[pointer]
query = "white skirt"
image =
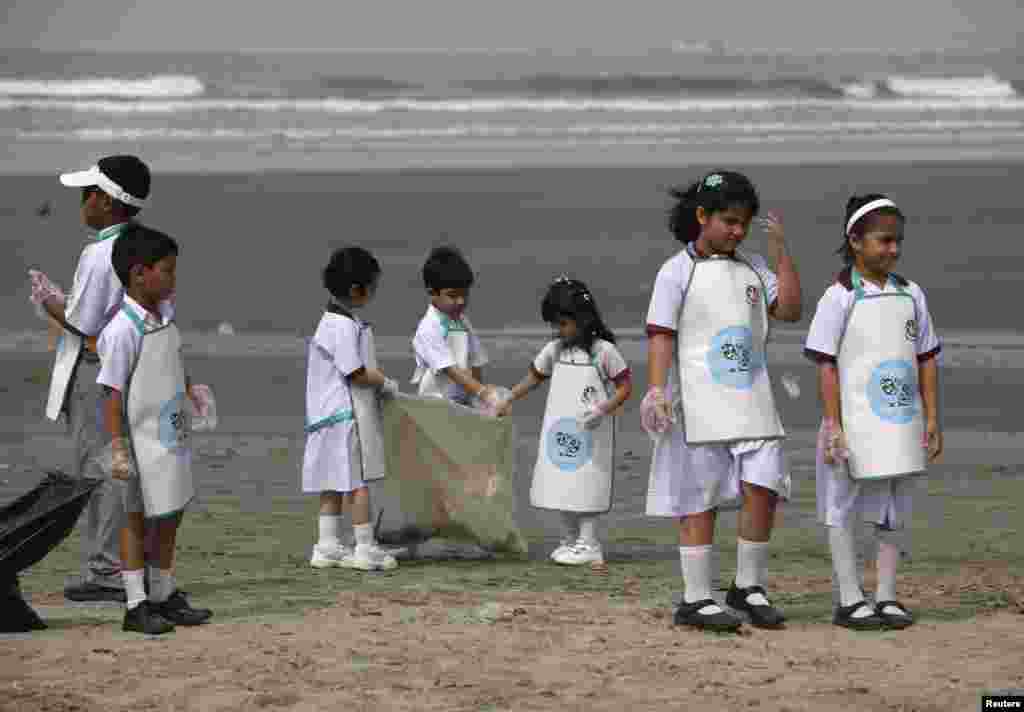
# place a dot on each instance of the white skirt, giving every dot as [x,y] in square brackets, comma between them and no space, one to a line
[689,479]
[327,462]
[886,503]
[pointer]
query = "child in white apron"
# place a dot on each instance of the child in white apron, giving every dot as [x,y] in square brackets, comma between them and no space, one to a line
[709,404]
[344,443]
[875,347]
[576,454]
[146,416]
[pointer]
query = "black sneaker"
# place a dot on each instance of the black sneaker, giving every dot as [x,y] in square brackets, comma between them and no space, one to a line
[844,617]
[177,610]
[905,619]
[145,618]
[761,615]
[88,592]
[721,622]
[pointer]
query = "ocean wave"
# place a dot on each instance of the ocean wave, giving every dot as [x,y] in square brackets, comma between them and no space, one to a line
[365,85]
[161,86]
[500,105]
[506,131]
[988,87]
[639,85]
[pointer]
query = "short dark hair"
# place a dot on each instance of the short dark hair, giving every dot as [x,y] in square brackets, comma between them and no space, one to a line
[446,268]
[853,205]
[139,245]
[715,192]
[349,267]
[130,173]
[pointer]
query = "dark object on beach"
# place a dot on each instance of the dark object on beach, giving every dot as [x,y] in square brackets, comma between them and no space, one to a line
[44,210]
[30,528]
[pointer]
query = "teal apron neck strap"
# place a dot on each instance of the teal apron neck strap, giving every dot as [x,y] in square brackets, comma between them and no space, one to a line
[340,416]
[858,284]
[449,325]
[140,325]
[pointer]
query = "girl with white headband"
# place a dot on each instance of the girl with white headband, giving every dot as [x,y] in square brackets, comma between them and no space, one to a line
[875,347]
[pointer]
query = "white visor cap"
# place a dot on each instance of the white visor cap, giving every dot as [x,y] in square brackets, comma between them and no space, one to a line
[94,176]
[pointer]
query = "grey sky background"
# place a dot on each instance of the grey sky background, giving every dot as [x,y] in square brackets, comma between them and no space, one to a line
[226,25]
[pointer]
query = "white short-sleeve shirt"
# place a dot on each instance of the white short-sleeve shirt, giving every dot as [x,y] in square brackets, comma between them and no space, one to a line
[120,342]
[674,275]
[609,361]
[431,346]
[834,307]
[335,353]
[96,291]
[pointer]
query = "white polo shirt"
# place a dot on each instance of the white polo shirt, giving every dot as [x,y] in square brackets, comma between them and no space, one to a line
[822,343]
[120,342]
[334,355]
[96,292]
[610,363]
[430,344]
[673,277]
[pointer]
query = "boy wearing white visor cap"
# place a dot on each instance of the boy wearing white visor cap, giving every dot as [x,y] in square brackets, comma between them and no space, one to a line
[875,347]
[113,192]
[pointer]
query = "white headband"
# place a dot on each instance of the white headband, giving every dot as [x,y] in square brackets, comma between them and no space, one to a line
[94,176]
[865,209]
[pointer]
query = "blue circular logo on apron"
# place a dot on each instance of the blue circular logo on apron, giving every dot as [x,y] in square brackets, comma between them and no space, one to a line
[892,391]
[568,447]
[732,358]
[174,424]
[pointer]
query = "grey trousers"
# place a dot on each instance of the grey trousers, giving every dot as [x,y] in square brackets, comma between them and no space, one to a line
[104,515]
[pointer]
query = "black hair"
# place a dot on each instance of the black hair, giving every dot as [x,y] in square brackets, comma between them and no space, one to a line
[446,268]
[571,298]
[139,245]
[715,192]
[853,205]
[130,173]
[349,267]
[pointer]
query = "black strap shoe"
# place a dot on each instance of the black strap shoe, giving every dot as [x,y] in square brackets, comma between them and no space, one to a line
[144,618]
[178,610]
[720,622]
[761,615]
[88,592]
[901,620]
[844,617]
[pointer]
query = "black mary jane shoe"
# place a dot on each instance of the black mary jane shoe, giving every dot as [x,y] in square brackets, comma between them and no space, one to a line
[897,621]
[761,615]
[844,617]
[722,622]
[179,611]
[146,619]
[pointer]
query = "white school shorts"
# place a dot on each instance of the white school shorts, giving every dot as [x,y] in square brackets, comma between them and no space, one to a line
[886,503]
[689,479]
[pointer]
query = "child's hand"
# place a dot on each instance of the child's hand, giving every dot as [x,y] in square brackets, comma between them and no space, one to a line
[836,449]
[932,441]
[43,289]
[655,412]
[203,407]
[771,223]
[504,408]
[389,389]
[116,460]
[591,418]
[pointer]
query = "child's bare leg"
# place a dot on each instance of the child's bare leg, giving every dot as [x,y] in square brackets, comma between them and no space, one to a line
[697,529]
[133,561]
[359,505]
[758,515]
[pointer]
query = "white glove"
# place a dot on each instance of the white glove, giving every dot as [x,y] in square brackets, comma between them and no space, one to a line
[202,407]
[42,290]
[492,398]
[388,389]
[115,460]
[590,418]
[836,449]
[656,416]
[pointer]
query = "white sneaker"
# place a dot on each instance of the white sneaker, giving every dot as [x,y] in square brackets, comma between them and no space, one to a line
[563,545]
[369,558]
[581,552]
[324,557]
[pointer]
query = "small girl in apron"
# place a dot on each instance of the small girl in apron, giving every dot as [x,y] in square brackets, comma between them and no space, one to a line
[575,457]
[709,406]
[875,347]
[344,444]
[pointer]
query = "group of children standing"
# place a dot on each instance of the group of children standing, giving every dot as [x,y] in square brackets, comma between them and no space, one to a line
[708,408]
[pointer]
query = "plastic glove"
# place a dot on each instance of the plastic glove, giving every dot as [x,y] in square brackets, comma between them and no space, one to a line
[656,413]
[491,399]
[388,389]
[591,417]
[42,290]
[836,450]
[115,460]
[202,407]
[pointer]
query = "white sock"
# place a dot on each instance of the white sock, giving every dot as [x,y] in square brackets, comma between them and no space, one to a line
[364,535]
[134,587]
[571,522]
[844,563]
[161,585]
[695,562]
[330,530]
[588,529]
[751,562]
[888,559]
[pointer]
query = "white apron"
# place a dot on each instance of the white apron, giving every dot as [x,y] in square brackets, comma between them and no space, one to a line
[367,448]
[878,385]
[721,338]
[575,466]
[437,384]
[69,348]
[157,419]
